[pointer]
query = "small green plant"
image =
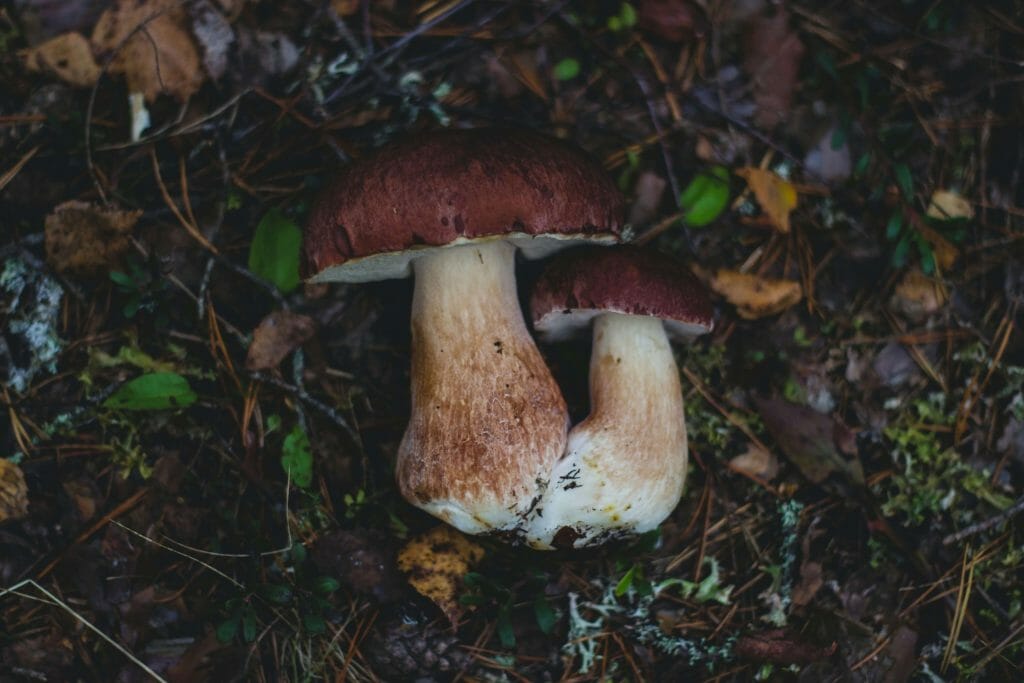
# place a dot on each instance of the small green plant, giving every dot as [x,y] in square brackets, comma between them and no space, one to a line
[624,20]
[141,287]
[567,69]
[932,476]
[485,591]
[293,587]
[297,458]
[705,197]
[353,504]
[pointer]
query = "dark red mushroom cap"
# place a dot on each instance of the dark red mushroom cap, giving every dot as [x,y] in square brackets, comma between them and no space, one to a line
[581,284]
[448,187]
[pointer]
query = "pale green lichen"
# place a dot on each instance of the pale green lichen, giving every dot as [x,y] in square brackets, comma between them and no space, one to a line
[32,306]
[779,596]
[635,609]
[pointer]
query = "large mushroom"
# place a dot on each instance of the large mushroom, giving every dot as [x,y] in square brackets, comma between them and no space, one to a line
[487,420]
[625,464]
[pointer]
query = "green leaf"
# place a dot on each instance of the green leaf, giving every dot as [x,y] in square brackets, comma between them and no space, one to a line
[123,280]
[904,179]
[546,617]
[314,623]
[626,581]
[277,593]
[705,197]
[298,553]
[297,459]
[899,254]
[274,252]
[506,634]
[153,391]
[248,625]
[325,585]
[227,630]
[567,69]
[893,227]
[627,14]
[862,164]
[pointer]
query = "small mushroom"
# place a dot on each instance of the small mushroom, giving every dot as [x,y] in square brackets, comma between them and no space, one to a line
[488,421]
[625,464]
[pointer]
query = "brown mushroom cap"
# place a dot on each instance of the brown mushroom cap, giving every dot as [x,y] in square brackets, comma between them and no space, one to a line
[584,283]
[451,187]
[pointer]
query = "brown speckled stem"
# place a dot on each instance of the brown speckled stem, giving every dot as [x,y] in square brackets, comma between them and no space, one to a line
[488,421]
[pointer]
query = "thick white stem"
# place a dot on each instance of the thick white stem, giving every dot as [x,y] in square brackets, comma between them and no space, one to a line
[625,465]
[488,421]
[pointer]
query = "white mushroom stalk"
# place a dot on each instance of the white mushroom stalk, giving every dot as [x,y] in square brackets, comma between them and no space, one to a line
[625,464]
[488,421]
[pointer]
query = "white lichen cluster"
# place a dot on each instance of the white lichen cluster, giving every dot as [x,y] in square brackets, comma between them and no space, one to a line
[636,611]
[31,301]
[779,596]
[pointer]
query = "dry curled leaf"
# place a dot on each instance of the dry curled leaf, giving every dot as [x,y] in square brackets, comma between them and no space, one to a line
[772,60]
[776,197]
[151,46]
[816,443]
[917,296]
[946,205]
[275,337]
[84,238]
[344,8]
[13,491]
[435,563]
[755,296]
[946,253]
[67,56]
[673,20]
[756,463]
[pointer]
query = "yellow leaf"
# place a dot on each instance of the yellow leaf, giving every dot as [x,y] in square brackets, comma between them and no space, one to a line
[68,56]
[777,197]
[151,46]
[13,492]
[755,296]
[435,563]
[946,253]
[946,205]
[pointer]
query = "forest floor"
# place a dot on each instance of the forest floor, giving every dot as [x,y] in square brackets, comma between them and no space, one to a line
[196,448]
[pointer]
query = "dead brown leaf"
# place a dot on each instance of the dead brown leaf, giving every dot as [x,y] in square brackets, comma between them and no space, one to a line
[435,563]
[810,583]
[344,8]
[84,238]
[673,20]
[650,188]
[777,197]
[917,296]
[755,296]
[67,56]
[275,337]
[152,47]
[816,443]
[13,491]
[772,60]
[756,463]
[946,253]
